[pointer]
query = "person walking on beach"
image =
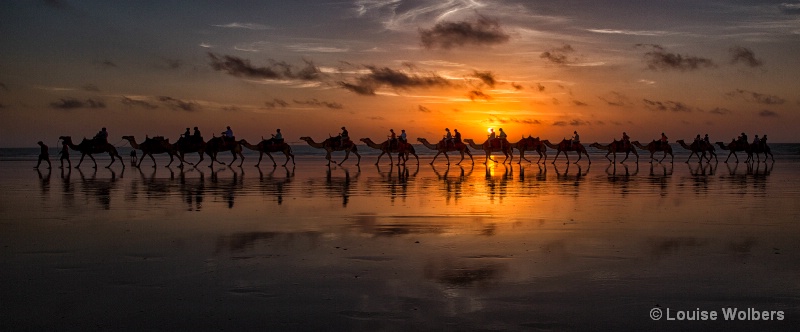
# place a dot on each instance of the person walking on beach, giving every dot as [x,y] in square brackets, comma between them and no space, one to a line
[44,154]
[65,155]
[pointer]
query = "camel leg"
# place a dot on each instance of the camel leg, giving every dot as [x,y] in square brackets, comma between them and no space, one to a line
[171,159]
[151,158]
[470,157]
[540,158]
[93,160]
[80,161]
[328,157]
[112,160]
[558,152]
[273,159]
[609,159]
[358,162]
[346,155]
[447,157]
[580,155]
[434,157]
[381,155]
[587,156]
[241,158]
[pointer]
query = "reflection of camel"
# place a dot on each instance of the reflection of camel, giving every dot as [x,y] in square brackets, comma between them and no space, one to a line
[220,144]
[617,146]
[89,147]
[489,146]
[697,149]
[152,146]
[655,146]
[565,146]
[265,146]
[443,147]
[329,145]
[530,144]
[402,149]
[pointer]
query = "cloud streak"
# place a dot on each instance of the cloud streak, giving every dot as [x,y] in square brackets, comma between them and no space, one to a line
[660,59]
[755,97]
[239,67]
[480,32]
[672,106]
[73,103]
[378,77]
[744,55]
[559,56]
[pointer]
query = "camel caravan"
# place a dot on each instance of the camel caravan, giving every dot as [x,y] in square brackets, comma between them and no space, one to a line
[193,142]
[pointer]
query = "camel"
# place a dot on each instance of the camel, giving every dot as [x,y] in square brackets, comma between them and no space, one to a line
[697,149]
[530,144]
[188,145]
[329,146]
[499,145]
[266,146]
[762,148]
[442,147]
[655,146]
[89,147]
[220,144]
[617,146]
[402,149]
[734,146]
[564,146]
[150,146]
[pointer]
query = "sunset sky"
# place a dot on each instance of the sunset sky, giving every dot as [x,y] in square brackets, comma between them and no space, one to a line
[544,68]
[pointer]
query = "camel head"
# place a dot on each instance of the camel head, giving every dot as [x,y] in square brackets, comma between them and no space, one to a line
[364,140]
[65,138]
[420,139]
[128,138]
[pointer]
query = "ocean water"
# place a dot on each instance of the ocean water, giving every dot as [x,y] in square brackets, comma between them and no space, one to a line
[384,247]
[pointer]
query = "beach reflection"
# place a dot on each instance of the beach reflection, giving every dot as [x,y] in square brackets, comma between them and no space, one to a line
[446,246]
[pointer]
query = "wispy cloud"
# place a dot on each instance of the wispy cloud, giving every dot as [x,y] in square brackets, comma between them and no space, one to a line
[127,101]
[494,119]
[72,103]
[659,59]
[276,102]
[673,106]
[755,97]
[615,99]
[768,114]
[630,32]
[720,111]
[377,77]
[559,56]
[477,94]
[744,55]
[424,109]
[790,8]
[319,103]
[316,48]
[239,67]
[447,35]
[178,104]
[237,25]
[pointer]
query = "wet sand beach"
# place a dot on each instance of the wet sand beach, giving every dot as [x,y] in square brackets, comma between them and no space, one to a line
[379,248]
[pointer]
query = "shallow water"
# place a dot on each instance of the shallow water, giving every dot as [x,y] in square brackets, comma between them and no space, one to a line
[500,247]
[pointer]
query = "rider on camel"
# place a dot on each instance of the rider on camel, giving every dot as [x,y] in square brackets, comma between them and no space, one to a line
[448,137]
[343,137]
[457,137]
[663,141]
[277,137]
[575,140]
[502,136]
[626,141]
[392,139]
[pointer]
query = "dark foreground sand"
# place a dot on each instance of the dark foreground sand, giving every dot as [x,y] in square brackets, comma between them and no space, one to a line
[422,248]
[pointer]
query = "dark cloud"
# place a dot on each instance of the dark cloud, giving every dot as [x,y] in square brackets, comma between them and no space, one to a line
[477,94]
[659,59]
[376,118]
[72,103]
[424,109]
[615,99]
[276,103]
[91,88]
[744,55]
[178,104]
[498,120]
[559,55]
[137,103]
[573,123]
[315,102]
[239,67]
[767,114]
[790,8]
[540,87]
[755,97]
[720,111]
[446,35]
[516,86]
[486,77]
[579,103]
[673,106]
[106,63]
[378,77]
